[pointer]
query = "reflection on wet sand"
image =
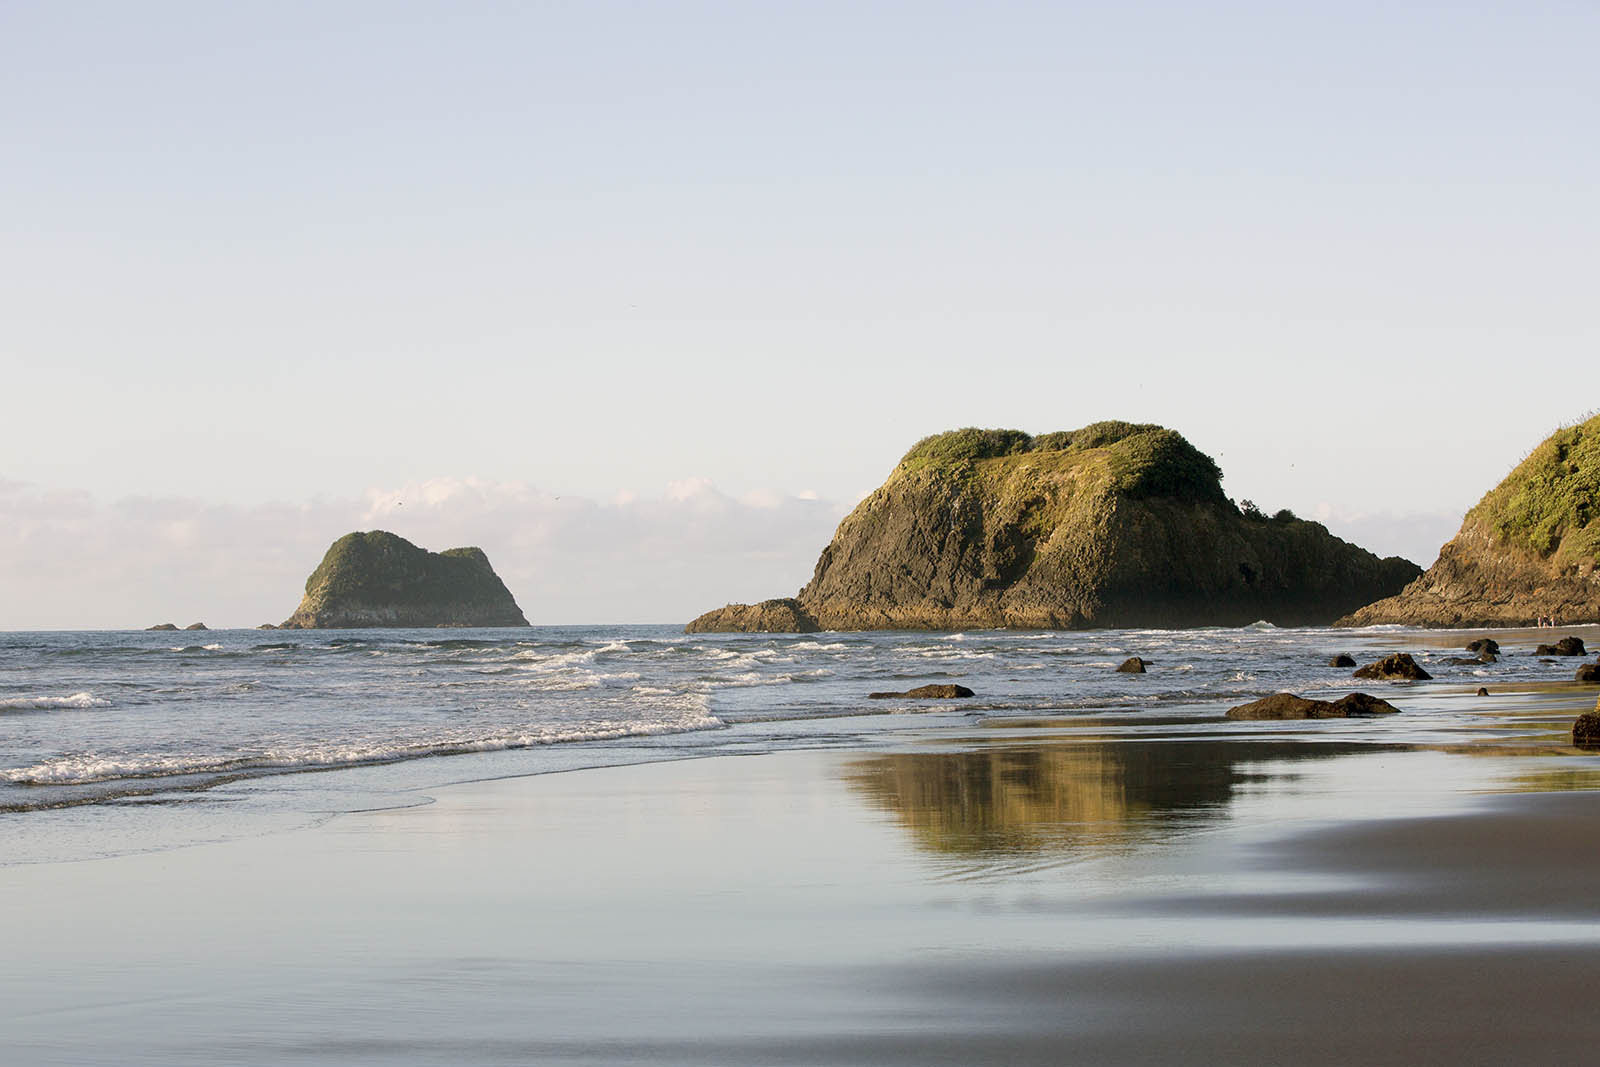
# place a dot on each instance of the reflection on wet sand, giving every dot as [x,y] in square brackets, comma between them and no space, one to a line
[1064,796]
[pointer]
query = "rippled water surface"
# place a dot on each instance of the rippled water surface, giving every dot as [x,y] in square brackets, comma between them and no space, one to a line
[133,721]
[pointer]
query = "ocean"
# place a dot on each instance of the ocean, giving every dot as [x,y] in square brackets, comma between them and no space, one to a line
[115,742]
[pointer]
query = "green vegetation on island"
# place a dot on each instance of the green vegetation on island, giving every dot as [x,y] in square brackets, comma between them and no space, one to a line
[382,580]
[1115,524]
[1528,550]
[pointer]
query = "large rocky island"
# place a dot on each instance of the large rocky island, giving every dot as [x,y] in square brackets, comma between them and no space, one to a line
[380,579]
[1116,524]
[1528,550]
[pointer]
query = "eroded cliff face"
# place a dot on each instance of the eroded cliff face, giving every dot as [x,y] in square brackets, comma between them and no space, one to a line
[378,579]
[1527,550]
[1112,525]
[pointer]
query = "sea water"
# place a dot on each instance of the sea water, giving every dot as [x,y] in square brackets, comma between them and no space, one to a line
[127,741]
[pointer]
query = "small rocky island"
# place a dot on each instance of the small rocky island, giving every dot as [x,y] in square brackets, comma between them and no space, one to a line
[1528,550]
[1116,524]
[379,579]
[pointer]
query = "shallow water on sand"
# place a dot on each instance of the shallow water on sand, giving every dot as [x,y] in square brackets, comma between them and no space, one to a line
[134,741]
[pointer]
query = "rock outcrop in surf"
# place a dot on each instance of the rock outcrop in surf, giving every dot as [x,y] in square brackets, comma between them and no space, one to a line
[1116,524]
[379,579]
[1527,551]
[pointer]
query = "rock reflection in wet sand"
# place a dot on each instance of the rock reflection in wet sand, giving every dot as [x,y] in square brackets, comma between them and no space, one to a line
[1104,796]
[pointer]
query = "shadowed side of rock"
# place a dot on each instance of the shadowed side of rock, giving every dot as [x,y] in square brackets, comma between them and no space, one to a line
[1116,524]
[378,579]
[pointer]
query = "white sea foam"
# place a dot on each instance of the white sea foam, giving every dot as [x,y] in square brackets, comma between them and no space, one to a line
[86,769]
[45,703]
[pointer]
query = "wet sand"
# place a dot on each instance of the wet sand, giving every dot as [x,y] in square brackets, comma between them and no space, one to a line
[970,897]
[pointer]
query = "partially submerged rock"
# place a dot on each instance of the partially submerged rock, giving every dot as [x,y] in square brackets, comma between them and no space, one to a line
[1530,549]
[1132,665]
[1115,524]
[1567,646]
[379,579]
[1589,672]
[1395,667]
[1290,706]
[1482,691]
[163,626]
[784,615]
[1586,730]
[927,692]
[197,626]
[1484,644]
[1343,659]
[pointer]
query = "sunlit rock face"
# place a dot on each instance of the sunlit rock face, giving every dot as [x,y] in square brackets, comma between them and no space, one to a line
[1116,524]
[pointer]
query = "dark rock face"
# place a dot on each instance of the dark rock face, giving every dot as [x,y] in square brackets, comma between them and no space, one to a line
[1529,549]
[1586,730]
[163,626]
[1132,665]
[1567,646]
[927,692]
[1289,706]
[784,616]
[1112,525]
[1484,644]
[381,580]
[1398,666]
[1342,660]
[1589,672]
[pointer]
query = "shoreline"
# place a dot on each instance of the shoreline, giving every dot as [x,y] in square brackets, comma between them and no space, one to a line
[966,895]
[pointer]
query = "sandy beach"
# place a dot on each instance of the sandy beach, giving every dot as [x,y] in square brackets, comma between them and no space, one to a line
[998,894]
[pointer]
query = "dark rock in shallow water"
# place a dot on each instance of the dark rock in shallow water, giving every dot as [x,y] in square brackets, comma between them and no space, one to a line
[1589,672]
[1586,731]
[1470,661]
[781,616]
[1398,666]
[1343,659]
[378,579]
[1132,665]
[1567,646]
[1482,691]
[197,626]
[1111,525]
[163,626]
[927,692]
[1484,644]
[1289,706]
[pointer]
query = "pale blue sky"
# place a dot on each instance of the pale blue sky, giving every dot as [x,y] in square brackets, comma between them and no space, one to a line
[277,252]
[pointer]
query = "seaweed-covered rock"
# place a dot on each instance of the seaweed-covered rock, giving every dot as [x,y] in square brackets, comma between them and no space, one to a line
[1290,706]
[1567,646]
[1588,672]
[1132,665]
[927,692]
[1397,666]
[1343,659]
[1113,525]
[784,615]
[379,579]
[1528,550]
